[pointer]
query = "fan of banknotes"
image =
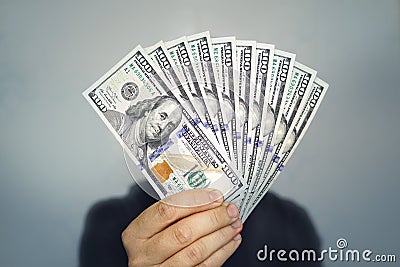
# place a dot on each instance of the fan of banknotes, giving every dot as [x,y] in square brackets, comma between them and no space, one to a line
[202,112]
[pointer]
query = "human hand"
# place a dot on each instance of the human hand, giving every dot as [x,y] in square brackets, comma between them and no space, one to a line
[166,234]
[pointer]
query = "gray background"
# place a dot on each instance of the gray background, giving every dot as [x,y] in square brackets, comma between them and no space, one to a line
[57,158]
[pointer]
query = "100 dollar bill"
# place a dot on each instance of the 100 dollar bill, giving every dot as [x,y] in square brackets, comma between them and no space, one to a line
[294,101]
[282,66]
[224,54]
[300,126]
[163,140]
[200,52]
[244,95]
[264,56]
[300,86]
[181,56]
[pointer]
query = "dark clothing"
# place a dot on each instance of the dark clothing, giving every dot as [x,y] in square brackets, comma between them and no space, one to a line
[277,223]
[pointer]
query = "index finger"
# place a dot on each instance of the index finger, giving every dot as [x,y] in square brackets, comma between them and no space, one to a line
[173,208]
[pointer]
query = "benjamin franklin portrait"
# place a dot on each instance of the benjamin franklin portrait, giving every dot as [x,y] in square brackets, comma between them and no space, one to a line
[147,123]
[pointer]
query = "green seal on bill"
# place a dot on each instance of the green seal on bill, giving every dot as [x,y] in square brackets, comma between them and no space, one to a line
[196,179]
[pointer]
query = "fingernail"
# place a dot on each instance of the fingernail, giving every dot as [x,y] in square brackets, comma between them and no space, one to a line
[236,224]
[233,211]
[214,195]
[237,237]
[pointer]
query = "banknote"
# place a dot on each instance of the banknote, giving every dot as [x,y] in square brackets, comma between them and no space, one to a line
[244,96]
[161,57]
[224,54]
[202,112]
[300,126]
[135,102]
[264,56]
[200,51]
[300,87]
[183,61]
[274,128]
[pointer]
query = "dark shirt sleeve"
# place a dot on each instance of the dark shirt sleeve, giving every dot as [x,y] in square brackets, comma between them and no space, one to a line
[101,243]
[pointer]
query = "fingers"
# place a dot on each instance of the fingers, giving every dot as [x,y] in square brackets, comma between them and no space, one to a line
[190,229]
[220,256]
[212,248]
[163,213]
